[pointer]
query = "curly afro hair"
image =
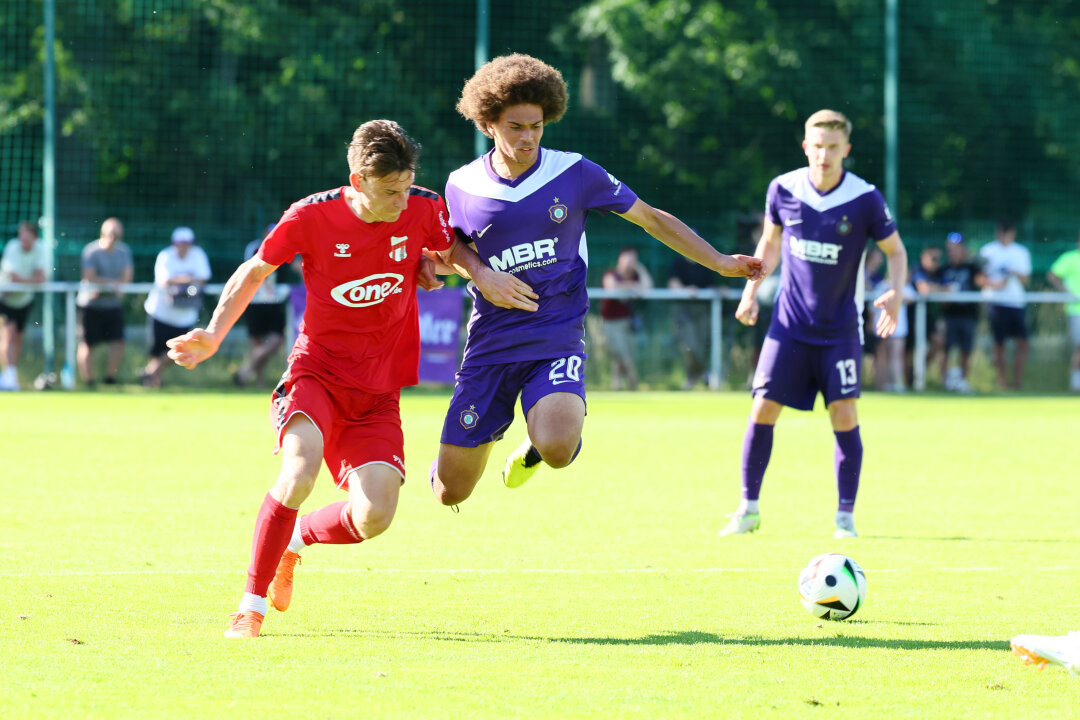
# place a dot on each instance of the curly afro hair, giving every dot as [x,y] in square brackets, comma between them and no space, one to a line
[512,80]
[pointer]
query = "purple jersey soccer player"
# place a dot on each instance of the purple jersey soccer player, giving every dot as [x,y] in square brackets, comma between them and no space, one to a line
[818,219]
[524,207]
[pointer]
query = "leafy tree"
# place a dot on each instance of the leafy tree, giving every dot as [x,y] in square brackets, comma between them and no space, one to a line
[988,92]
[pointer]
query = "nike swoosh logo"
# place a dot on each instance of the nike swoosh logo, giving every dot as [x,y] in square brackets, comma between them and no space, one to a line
[845,391]
[395,240]
[789,223]
[480,233]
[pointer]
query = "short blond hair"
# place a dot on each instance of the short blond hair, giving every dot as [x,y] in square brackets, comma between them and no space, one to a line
[829,120]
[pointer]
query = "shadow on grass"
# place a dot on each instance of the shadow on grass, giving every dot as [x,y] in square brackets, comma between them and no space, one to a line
[961,538]
[877,643]
[684,638]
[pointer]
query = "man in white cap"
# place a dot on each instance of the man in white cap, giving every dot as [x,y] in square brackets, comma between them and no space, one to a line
[173,305]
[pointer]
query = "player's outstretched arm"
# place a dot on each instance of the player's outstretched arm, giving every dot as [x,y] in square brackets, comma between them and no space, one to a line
[892,300]
[768,249]
[674,233]
[192,348]
[501,289]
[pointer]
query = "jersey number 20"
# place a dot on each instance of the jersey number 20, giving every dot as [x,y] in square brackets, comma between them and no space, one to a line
[565,369]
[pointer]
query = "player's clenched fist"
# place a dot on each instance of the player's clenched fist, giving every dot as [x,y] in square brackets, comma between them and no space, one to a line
[751,268]
[191,348]
[747,312]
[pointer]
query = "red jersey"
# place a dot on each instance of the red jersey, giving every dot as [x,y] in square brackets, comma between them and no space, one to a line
[360,327]
[612,309]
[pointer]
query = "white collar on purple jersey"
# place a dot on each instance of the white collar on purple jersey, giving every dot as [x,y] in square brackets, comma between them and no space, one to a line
[797,182]
[473,178]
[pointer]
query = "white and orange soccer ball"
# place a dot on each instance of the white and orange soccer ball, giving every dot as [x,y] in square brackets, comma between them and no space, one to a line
[832,586]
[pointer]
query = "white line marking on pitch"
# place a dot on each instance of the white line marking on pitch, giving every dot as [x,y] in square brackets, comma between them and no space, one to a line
[522,571]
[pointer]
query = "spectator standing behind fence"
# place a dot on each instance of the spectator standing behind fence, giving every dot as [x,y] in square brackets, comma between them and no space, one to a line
[690,318]
[925,279]
[960,275]
[265,318]
[180,272]
[873,273]
[106,262]
[1006,271]
[890,350]
[297,299]
[1064,275]
[23,262]
[618,315]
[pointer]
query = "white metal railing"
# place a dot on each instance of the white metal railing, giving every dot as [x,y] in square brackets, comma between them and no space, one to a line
[973,296]
[714,296]
[70,290]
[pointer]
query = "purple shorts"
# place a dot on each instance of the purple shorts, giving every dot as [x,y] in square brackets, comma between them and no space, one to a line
[483,404]
[792,373]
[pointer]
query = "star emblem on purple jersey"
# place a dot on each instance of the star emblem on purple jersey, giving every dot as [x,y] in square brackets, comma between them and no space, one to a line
[843,227]
[558,211]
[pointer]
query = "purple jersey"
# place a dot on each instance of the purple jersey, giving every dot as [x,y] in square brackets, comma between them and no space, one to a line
[534,227]
[823,248]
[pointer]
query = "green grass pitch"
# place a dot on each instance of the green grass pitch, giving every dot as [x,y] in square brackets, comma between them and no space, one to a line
[598,591]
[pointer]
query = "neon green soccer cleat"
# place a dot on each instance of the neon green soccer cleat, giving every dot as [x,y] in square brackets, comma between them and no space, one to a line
[515,474]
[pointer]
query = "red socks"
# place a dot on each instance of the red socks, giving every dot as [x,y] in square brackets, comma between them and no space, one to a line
[330,525]
[273,529]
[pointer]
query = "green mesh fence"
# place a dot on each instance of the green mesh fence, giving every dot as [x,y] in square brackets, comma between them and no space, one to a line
[219,113]
[21,133]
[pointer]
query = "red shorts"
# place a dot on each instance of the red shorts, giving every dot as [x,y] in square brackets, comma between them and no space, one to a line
[357,428]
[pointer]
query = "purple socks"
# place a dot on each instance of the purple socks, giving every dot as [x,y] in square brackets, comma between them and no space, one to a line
[848,462]
[756,450]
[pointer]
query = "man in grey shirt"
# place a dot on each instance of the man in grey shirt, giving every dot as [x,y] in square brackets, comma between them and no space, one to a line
[106,265]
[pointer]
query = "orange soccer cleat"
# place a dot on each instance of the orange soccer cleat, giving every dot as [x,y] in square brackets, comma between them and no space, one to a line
[244,625]
[280,590]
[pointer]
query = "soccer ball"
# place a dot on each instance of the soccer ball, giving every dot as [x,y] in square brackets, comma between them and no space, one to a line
[832,586]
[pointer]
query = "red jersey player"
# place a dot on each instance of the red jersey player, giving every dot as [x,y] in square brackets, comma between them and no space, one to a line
[361,247]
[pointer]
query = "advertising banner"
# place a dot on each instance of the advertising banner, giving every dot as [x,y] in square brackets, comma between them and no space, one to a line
[440,325]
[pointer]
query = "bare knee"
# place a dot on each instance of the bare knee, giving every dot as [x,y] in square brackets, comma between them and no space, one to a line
[558,453]
[296,481]
[370,520]
[451,493]
[456,472]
